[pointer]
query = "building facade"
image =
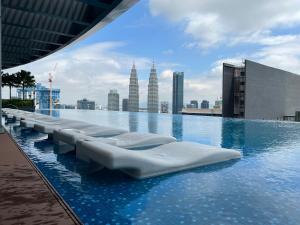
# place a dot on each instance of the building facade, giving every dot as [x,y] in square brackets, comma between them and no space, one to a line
[153,91]
[164,107]
[218,104]
[113,100]
[256,91]
[125,105]
[41,94]
[177,94]
[85,104]
[195,103]
[133,99]
[205,104]
[190,106]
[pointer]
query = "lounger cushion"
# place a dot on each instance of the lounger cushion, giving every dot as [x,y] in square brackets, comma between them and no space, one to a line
[48,128]
[70,136]
[27,123]
[160,160]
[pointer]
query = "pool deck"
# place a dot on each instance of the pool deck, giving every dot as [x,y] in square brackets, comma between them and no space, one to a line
[26,197]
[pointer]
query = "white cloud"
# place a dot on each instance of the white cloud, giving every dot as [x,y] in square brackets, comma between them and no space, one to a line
[284,56]
[199,87]
[215,22]
[90,72]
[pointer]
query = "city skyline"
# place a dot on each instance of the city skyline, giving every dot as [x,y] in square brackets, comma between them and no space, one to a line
[183,41]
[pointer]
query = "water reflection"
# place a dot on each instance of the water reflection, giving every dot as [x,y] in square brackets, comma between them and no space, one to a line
[177,127]
[113,118]
[53,112]
[133,121]
[255,137]
[233,133]
[117,203]
[152,122]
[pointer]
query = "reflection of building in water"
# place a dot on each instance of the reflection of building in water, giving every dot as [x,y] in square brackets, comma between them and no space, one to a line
[233,133]
[54,112]
[255,137]
[152,122]
[177,127]
[133,121]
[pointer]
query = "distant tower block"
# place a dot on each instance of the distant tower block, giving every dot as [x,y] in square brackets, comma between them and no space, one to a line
[113,100]
[153,104]
[177,98]
[133,100]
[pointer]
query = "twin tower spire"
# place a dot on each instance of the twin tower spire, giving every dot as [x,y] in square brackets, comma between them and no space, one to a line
[133,100]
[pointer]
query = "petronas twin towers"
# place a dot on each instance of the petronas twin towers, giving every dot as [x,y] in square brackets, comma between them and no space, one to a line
[133,101]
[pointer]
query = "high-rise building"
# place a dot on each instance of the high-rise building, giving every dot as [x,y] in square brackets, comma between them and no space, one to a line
[195,103]
[218,104]
[85,104]
[133,100]
[153,91]
[164,107]
[190,106]
[41,94]
[113,100]
[205,104]
[256,91]
[125,105]
[177,98]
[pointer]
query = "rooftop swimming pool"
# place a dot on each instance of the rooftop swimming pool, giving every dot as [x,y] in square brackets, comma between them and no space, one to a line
[261,188]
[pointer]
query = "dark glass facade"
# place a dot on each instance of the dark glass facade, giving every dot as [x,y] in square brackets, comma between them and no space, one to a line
[178,87]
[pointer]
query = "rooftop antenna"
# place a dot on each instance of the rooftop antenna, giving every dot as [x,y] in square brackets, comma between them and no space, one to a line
[50,87]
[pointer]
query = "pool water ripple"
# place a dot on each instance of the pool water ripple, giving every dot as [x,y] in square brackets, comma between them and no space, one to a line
[261,188]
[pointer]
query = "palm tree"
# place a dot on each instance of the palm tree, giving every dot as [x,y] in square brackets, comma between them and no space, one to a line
[9,80]
[25,79]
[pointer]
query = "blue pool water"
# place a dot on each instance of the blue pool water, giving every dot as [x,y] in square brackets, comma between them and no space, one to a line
[261,188]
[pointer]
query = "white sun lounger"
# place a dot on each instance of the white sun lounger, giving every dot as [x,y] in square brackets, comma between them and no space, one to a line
[31,121]
[130,140]
[160,160]
[70,136]
[49,127]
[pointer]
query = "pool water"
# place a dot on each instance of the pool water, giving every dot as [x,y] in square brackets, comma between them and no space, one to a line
[261,188]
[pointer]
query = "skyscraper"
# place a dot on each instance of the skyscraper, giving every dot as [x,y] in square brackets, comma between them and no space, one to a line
[205,104]
[153,91]
[85,104]
[177,104]
[113,100]
[164,107]
[256,91]
[195,103]
[41,94]
[125,104]
[133,100]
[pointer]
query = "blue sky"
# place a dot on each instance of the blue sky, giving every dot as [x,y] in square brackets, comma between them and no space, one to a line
[191,36]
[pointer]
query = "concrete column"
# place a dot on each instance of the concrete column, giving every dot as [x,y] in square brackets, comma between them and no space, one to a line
[1,128]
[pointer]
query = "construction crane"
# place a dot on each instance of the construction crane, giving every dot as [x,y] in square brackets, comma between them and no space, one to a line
[50,87]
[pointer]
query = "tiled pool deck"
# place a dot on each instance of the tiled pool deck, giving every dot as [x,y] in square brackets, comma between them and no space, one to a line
[26,197]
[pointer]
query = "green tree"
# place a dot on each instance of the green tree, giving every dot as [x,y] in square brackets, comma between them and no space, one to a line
[25,79]
[10,80]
